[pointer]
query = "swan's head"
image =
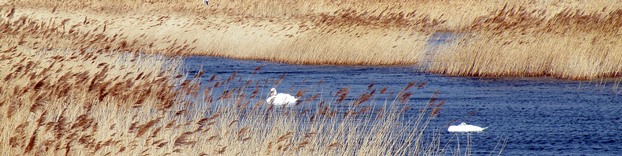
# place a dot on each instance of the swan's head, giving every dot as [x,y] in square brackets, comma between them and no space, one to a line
[273,92]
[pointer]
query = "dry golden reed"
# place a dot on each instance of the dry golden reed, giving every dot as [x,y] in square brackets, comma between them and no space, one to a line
[456,12]
[342,32]
[310,32]
[92,102]
[572,44]
[342,37]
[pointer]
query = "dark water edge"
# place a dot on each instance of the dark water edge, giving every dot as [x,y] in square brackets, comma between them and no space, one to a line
[538,115]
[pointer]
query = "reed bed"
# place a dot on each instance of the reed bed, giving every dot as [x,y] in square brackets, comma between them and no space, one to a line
[84,87]
[456,12]
[341,33]
[58,102]
[100,98]
[64,102]
[78,32]
[580,56]
[310,32]
[573,44]
[304,43]
[370,47]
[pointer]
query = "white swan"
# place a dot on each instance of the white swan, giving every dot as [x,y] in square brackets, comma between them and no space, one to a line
[281,99]
[463,127]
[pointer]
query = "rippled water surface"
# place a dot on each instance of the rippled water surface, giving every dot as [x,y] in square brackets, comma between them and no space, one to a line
[538,116]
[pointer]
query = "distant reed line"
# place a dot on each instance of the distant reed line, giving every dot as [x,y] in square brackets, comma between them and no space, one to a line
[353,34]
[519,42]
[456,13]
[300,44]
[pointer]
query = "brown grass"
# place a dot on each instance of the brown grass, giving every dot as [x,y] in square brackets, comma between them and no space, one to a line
[100,96]
[57,102]
[455,12]
[570,56]
[519,42]
[326,39]
[310,32]
[77,103]
[341,32]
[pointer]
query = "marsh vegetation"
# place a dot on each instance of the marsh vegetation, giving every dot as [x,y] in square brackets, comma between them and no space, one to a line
[564,39]
[101,98]
[89,102]
[95,77]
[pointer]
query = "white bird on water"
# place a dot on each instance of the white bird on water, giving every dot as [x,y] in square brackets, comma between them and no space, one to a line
[281,99]
[463,127]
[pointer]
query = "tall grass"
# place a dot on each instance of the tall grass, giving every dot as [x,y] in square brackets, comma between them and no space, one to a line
[332,46]
[571,56]
[573,44]
[100,96]
[301,43]
[90,99]
[65,102]
[341,33]
[456,12]
[78,32]
[302,32]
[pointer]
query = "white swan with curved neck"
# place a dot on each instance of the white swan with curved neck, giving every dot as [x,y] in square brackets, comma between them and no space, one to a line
[281,99]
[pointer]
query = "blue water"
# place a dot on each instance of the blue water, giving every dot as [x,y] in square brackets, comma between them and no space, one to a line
[538,116]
